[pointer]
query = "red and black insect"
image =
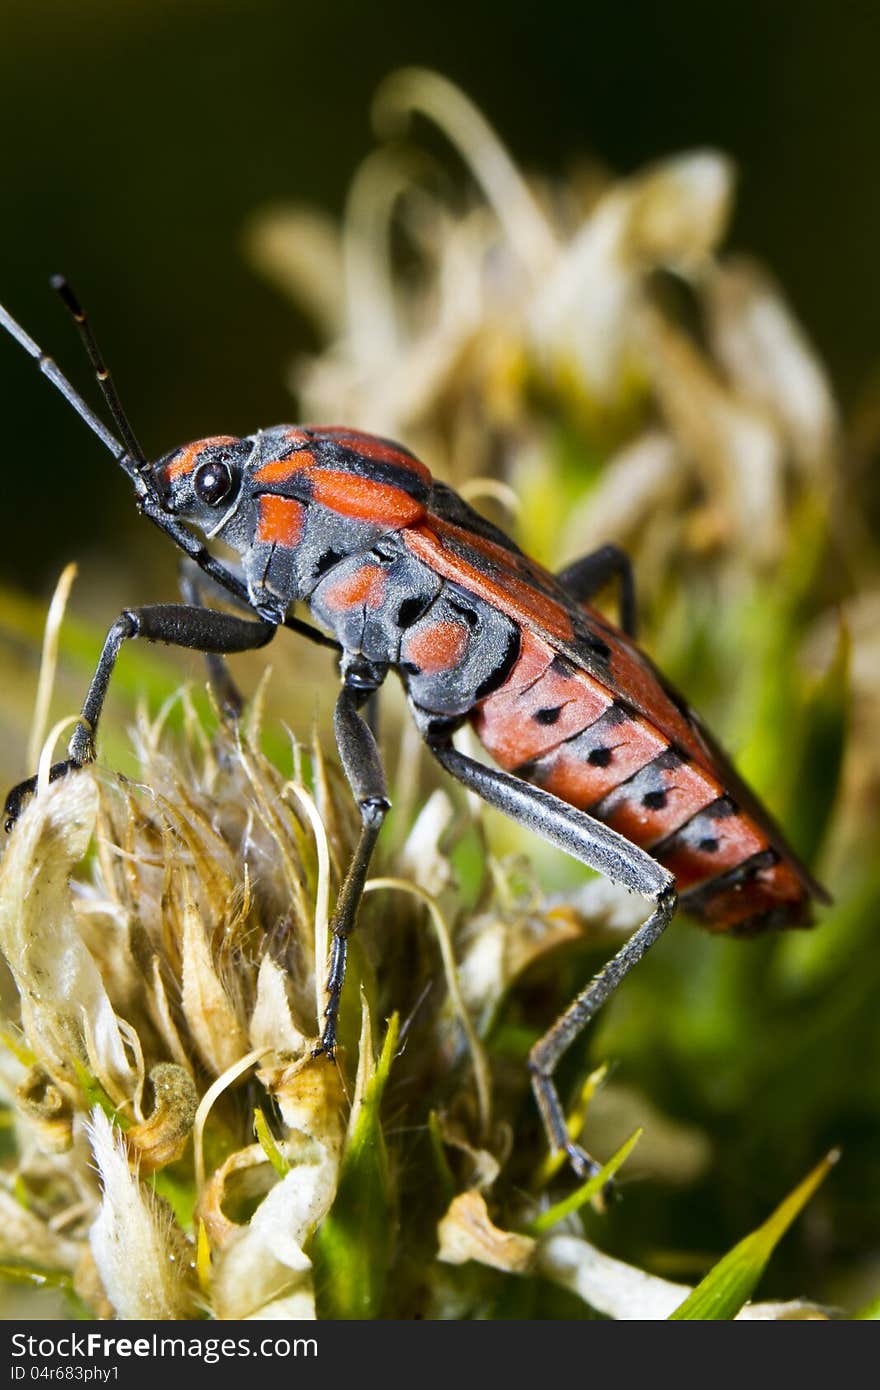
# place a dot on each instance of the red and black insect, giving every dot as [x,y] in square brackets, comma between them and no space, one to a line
[594,751]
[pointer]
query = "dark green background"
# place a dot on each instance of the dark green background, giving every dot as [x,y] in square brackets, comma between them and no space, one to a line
[138,138]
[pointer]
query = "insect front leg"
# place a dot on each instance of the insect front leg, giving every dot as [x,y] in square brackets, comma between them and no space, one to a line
[588,576]
[179,625]
[601,848]
[362,765]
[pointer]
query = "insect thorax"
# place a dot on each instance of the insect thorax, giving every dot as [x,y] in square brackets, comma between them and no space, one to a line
[381,602]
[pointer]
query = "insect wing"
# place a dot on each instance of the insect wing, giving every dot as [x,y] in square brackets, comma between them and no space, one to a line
[526,592]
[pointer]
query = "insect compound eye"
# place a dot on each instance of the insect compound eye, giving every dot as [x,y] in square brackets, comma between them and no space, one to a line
[212,482]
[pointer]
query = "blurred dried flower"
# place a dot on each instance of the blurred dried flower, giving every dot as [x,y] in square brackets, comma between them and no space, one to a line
[520,307]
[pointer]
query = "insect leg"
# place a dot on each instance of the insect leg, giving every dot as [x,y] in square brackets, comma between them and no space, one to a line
[202,629]
[371,714]
[219,573]
[362,765]
[599,847]
[585,577]
[229,698]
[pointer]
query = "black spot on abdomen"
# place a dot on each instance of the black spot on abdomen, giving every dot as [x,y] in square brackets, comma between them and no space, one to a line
[654,800]
[600,757]
[549,715]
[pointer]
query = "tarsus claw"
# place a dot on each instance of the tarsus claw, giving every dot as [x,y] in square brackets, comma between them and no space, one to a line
[20,793]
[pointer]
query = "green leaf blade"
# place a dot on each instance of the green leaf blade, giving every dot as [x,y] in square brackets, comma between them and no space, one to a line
[353,1247]
[730,1284]
[586,1192]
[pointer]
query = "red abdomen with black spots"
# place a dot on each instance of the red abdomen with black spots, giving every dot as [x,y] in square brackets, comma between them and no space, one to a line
[561,729]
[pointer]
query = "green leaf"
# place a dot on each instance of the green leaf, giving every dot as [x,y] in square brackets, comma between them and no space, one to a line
[38,1277]
[176,1185]
[730,1284]
[444,1172]
[268,1145]
[586,1192]
[96,1095]
[353,1246]
[17,1046]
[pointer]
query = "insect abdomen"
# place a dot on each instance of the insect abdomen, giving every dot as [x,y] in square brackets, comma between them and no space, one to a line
[558,727]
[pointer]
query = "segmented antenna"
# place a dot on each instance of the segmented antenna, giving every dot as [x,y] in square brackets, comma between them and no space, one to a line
[140,469]
[60,382]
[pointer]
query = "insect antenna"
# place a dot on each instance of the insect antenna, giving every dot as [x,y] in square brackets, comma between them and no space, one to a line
[54,374]
[139,468]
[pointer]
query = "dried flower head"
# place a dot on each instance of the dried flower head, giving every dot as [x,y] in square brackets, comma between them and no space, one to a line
[166,937]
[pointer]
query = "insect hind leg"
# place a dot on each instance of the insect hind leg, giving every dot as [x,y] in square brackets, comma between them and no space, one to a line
[584,578]
[601,848]
[547,1052]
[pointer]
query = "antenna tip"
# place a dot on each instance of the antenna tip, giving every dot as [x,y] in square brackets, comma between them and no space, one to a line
[62,286]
